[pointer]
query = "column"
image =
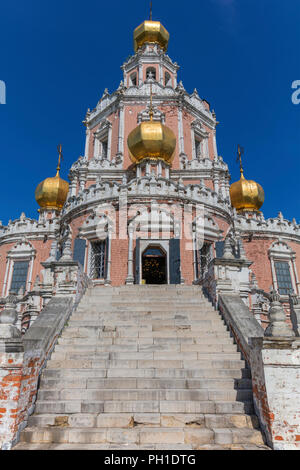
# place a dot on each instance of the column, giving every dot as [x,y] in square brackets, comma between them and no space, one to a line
[195,256]
[109,143]
[96,147]
[274,275]
[194,156]
[180,131]
[215,145]
[296,276]
[73,186]
[87,144]
[108,271]
[121,130]
[130,278]
[140,74]
[8,263]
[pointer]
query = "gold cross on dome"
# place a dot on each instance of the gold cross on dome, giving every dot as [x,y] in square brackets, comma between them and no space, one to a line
[60,156]
[240,152]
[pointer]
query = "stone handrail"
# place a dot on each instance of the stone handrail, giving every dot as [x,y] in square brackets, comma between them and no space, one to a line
[240,321]
[273,356]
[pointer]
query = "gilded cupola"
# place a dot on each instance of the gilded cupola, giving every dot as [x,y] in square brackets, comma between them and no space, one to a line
[52,192]
[150,31]
[151,140]
[246,195]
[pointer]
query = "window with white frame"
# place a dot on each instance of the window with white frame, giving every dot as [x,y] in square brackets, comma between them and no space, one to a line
[283,267]
[151,73]
[103,140]
[133,79]
[168,79]
[19,276]
[19,268]
[199,139]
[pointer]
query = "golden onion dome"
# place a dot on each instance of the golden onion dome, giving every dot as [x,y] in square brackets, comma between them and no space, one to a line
[52,192]
[150,31]
[246,195]
[153,140]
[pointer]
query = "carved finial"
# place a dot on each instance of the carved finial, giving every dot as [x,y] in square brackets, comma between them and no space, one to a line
[227,254]
[60,157]
[240,152]
[277,326]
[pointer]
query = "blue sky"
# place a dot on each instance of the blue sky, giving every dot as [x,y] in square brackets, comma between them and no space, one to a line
[57,57]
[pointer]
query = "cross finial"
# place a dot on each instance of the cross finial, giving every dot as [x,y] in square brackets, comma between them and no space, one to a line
[60,157]
[240,152]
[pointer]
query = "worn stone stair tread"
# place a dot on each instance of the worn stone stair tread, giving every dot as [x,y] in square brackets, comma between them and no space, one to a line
[140,435]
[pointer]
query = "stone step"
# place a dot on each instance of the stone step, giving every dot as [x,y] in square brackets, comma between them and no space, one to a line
[71,447]
[191,436]
[131,383]
[145,364]
[96,316]
[153,330]
[129,420]
[173,347]
[145,394]
[205,373]
[144,355]
[101,342]
[148,406]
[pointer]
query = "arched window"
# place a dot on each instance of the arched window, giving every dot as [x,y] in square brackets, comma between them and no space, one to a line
[168,79]
[151,73]
[133,79]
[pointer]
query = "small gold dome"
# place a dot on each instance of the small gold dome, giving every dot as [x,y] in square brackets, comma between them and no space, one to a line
[151,139]
[246,195]
[52,193]
[150,31]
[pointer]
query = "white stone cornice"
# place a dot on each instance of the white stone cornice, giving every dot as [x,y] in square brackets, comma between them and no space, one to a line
[259,227]
[147,187]
[30,228]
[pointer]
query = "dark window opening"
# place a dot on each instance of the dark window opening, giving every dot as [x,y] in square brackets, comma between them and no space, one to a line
[283,275]
[98,260]
[19,277]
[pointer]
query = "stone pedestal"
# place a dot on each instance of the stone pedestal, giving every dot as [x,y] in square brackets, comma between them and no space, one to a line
[275,368]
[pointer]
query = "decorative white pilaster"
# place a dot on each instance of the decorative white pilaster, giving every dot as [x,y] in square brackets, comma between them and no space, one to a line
[215,145]
[73,186]
[296,276]
[274,275]
[130,278]
[121,130]
[108,270]
[140,74]
[195,256]
[180,131]
[87,144]
[30,275]
[96,147]
[109,143]
[8,263]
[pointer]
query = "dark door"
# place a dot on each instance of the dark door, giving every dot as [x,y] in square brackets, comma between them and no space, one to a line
[154,266]
[174,261]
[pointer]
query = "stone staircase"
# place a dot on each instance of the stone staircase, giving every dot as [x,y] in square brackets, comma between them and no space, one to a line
[144,367]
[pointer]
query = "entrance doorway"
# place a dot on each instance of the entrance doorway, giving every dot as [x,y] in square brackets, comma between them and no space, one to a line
[154,265]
